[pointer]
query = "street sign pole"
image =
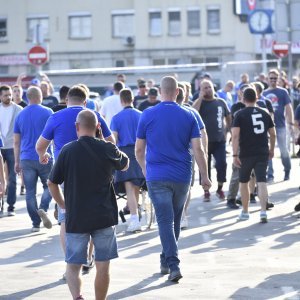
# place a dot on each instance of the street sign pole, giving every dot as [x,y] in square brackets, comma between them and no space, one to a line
[264,54]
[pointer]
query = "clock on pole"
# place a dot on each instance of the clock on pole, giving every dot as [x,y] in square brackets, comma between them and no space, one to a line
[260,21]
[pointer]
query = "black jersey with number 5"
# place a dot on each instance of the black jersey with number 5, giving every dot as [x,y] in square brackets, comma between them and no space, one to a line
[254,123]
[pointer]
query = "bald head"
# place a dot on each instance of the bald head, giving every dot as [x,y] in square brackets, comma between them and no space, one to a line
[87,121]
[34,95]
[168,88]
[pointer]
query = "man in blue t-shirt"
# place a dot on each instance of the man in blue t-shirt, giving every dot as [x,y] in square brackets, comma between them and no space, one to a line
[283,113]
[167,130]
[60,128]
[28,127]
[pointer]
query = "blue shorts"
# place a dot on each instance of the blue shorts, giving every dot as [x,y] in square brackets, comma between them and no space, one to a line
[105,245]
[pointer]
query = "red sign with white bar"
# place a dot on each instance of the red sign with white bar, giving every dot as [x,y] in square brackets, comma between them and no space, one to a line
[280,49]
[251,4]
[37,55]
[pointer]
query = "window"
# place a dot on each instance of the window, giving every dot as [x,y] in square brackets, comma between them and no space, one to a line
[3,29]
[80,26]
[158,61]
[120,63]
[213,20]
[193,21]
[155,23]
[173,61]
[215,61]
[37,29]
[3,70]
[122,23]
[197,60]
[174,23]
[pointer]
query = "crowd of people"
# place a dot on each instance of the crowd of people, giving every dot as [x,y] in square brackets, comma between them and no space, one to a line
[155,137]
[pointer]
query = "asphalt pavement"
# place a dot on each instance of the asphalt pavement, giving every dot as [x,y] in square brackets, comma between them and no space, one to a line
[220,257]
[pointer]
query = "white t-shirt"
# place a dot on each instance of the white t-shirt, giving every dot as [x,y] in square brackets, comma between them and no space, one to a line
[6,114]
[110,107]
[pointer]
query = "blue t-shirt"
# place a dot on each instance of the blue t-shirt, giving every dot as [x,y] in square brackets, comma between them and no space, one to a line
[29,124]
[279,98]
[90,104]
[168,129]
[60,127]
[197,115]
[125,123]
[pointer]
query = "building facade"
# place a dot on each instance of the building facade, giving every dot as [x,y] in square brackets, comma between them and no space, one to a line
[93,34]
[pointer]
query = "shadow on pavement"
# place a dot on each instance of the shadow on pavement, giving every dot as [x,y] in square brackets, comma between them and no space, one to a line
[27,293]
[140,288]
[273,287]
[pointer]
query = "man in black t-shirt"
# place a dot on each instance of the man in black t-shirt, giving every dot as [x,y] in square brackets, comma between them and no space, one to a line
[89,200]
[250,130]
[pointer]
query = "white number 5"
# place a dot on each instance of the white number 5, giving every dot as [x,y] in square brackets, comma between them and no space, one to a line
[259,126]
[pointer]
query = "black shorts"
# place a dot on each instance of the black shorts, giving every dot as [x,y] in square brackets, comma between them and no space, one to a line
[257,163]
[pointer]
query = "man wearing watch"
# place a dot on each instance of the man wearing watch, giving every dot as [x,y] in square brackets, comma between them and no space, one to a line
[251,127]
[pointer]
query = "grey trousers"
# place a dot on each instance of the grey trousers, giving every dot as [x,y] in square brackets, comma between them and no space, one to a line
[234,183]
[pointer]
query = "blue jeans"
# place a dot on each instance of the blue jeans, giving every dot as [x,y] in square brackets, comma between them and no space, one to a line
[284,153]
[168,199]
[32,170]
[9,158]
[105,245]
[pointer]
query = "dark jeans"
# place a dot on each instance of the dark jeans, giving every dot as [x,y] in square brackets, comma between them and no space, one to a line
[9,159]
[32,170]
[218,151]
[168,199]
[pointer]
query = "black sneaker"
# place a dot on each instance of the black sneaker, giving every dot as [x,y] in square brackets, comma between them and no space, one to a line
[238,201]
[87,267]
[252,198]
[231,203]
[269,205]
[286,176]
[175,276]
[297,207]
[22,190]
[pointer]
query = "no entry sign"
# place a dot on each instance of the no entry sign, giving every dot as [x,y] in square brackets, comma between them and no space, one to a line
[251,4]
[280,49]
[37,55]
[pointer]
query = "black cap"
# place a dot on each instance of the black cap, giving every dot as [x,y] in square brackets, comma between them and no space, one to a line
[153,91]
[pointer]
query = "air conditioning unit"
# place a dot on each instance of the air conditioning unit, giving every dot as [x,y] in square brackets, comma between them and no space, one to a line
[129,41]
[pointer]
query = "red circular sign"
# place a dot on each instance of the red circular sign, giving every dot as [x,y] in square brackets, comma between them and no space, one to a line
[37,55]
[251,4]
[280,49]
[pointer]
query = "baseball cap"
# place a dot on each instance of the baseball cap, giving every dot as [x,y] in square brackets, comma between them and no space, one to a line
[142,83]
[35,81]
[153,91]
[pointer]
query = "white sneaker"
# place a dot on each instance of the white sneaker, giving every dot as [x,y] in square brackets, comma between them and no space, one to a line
[134,226]
[46,221]
[184,223]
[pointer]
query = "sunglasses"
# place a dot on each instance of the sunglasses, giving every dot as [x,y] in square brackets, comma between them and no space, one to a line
[273,78]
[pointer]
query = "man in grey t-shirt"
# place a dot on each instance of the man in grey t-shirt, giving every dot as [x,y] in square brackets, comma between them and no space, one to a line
[215,113]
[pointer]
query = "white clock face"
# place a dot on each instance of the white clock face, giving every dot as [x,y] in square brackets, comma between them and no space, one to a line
[259,21]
